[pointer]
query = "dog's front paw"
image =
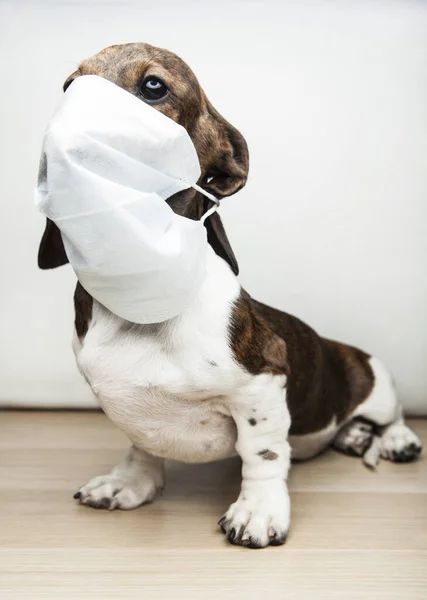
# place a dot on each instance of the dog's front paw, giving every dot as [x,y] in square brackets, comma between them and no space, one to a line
[114,491]
[260,517]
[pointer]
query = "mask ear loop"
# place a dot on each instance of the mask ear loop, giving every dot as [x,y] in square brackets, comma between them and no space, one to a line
[214,208]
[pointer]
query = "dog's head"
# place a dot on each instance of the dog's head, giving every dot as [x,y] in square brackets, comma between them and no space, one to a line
[161,79]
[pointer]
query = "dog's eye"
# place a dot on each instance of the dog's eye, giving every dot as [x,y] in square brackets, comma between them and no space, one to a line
[153,89]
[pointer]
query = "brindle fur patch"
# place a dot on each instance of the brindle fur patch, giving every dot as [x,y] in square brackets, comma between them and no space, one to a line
[254,343]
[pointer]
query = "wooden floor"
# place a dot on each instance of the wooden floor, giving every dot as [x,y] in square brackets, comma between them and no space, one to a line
[355,534]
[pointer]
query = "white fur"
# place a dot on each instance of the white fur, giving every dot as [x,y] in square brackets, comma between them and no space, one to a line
[307,446]
[168,386]
[177,392]
[381,406]
[261,513]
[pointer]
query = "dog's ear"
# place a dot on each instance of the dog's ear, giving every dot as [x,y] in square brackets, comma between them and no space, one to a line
[216,236]
[218,239]
[228,171]
[51,251]
[70,80]
[225,174]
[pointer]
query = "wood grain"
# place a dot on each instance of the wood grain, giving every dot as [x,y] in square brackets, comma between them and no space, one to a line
[355,533]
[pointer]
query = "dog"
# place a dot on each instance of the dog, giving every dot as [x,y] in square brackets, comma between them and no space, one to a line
[229,375]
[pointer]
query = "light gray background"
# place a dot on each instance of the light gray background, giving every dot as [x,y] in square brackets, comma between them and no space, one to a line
[332,225]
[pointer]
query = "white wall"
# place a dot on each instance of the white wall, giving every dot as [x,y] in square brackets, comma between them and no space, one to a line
[332,226]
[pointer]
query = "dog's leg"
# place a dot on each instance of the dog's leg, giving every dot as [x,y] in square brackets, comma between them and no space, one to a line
[261,514]
[377,429]
[135,481]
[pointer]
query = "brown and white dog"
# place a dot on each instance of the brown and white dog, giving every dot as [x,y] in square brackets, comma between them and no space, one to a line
[229,375]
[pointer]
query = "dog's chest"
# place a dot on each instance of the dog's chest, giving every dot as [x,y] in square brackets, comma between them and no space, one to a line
[167,386]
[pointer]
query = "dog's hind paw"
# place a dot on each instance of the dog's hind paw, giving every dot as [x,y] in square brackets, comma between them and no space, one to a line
[399,443]
[354,438]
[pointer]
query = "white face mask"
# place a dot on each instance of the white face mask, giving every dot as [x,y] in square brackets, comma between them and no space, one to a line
[109,161]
